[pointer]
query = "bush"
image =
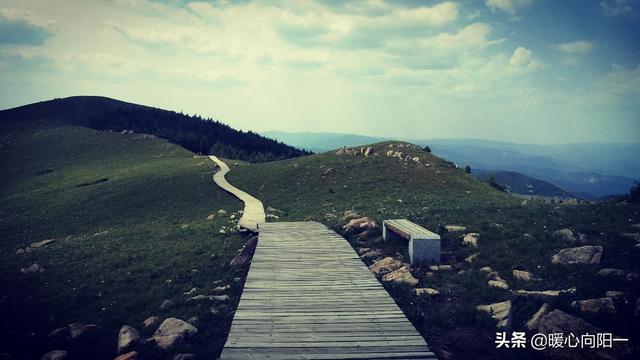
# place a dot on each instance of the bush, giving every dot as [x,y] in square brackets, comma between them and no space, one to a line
[467,169]
[634,193]
[427,149]
[494,184]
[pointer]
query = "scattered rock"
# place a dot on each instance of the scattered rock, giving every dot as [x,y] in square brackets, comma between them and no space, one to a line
[402,275]
[385,266]
[190,292]
[534,322]
[471,239]
[471,258]
[486,269]
[500,311]
[151,322]
[221,289]
[60,334]
[82,331]
[455,228]
[39,244]
[360,224]
[222,212]
[565,235]
[172,332]
[595,306]
[368,151]
[426,292]
[637,312]
[272,216]
[246,253]
[614,294]
[499,284]
[166,305]
[445,267]
[546,294]
[274,210]
[33,268]
[349,215]
[522,275]
[633,277]
[221,310]
[585,255]
[55,355]
[211,216]
[128,337]
[611,273]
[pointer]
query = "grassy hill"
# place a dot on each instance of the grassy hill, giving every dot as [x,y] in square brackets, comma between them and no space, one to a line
[514,235]
[135,222]
[192,132]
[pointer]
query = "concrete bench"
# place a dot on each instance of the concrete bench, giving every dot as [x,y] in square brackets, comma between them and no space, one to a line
[424,245]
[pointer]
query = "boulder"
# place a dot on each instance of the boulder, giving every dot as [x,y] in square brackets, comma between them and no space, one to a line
[131,355]
[544,295]
[166,305]
[371,253]
[637,311]
[128,337]
[595,306]
[385,266]
[500,311]
[486,269]
[445,267]
[558,321]
[534,322]
[471,239]
[522,275]
[565,235]
[194,320]
[611,273]
[368,151]
[60,334]
[190,292]
[499,284]
[151,322]
[246,253]
[360,224]
[172,332]
[33,268]
[584,255]
[55,355]
[222,211]
[426,292]
[401,276]
[82,331]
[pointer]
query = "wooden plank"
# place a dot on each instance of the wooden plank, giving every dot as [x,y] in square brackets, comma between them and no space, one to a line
[309,296]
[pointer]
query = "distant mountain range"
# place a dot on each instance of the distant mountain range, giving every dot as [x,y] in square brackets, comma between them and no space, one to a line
[586,170]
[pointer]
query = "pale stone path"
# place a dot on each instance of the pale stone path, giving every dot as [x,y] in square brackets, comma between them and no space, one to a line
[253,216]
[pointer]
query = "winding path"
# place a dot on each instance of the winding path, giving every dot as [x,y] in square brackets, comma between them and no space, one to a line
[309,296]
[253,214]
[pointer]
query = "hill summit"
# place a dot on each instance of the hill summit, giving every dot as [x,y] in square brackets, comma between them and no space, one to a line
[200,135]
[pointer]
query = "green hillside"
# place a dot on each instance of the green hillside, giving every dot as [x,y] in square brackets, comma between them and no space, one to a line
[129,216]
[514,235]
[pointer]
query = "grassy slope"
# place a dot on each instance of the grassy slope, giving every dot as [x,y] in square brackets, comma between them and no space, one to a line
[124,245]
[513,236]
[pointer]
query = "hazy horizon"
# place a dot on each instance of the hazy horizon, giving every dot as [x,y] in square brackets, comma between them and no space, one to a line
[521,71]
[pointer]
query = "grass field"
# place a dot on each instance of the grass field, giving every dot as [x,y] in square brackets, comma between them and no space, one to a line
[129,213]
[514,235]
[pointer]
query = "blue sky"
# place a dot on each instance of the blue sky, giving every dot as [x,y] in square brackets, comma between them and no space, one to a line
[529,71]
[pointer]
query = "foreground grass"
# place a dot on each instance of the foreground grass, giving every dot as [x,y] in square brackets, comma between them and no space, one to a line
[129,213]
[514,235]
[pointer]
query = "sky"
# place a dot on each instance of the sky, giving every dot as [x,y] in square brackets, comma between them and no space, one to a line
[526,71]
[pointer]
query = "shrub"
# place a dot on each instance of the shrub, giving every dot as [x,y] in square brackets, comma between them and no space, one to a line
[427,149]
[634,193]
[467,169]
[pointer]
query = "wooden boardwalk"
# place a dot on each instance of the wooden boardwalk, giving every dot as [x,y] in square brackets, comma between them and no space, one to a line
[253,213]
[309,296]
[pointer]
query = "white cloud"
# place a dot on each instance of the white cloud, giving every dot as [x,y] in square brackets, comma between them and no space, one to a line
[614,8]
[580,47]
[24,16]
[511,7]
[521,57]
